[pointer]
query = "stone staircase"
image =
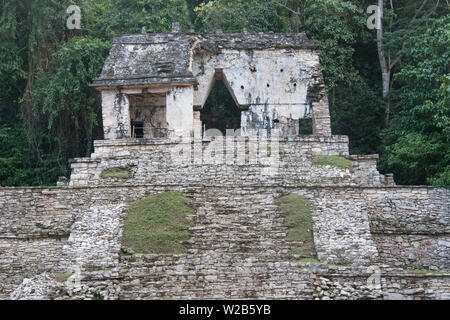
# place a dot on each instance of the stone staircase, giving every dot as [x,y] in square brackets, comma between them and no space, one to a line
[239,224]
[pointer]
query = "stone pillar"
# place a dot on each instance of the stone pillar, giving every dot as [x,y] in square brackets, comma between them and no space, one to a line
[321,117]
[116,115]
[197,125]
[180,113]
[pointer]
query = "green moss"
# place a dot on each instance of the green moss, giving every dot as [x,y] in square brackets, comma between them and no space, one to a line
[427,271]
[335,161]
[158,223]
[308,260]
[62,277]
[117,172]
[297,218]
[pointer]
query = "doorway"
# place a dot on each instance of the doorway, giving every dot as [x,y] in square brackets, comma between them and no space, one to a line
[148,116]
[220,110]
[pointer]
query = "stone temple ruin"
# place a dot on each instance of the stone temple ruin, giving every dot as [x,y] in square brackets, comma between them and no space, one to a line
[155,85]
[371,238]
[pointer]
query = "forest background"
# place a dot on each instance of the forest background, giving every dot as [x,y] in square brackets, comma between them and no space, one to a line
[388,87]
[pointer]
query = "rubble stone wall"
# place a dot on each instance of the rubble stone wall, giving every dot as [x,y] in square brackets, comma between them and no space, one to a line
[242,276]
[232,161]
[67,226]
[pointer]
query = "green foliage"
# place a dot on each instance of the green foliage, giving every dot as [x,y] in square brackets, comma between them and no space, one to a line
[45,99]
[296,211]
[111,18]
[335,161]
[333,25]
[65,94]
[65,110]
[349,62]
[234,15]
[49,114]
[357,111]
[416,157]
[14,167]
[417,142]
[158,224]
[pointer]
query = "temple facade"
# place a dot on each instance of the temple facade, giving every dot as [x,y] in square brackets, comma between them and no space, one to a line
[154,86]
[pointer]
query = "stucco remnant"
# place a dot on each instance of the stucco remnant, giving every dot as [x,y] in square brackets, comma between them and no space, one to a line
[274,78]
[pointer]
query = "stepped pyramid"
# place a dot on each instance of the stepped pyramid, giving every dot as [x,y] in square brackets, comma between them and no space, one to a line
[372,239]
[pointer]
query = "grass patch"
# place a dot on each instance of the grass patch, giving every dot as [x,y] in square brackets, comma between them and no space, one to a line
[117,172]
[296,211]
[158,223]
[335,161]
[308,260]
[62,277]
[427,271]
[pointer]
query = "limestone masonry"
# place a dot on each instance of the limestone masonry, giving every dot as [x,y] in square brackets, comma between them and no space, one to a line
[373,239]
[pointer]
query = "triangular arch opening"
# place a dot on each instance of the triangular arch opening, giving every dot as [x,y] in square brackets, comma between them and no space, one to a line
[220,110]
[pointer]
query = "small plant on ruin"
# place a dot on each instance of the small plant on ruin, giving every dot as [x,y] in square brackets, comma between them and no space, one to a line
[308,260]
[158,224]
[335,161]
[297,218]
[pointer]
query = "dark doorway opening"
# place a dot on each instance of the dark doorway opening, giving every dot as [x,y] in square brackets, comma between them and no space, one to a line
[220,110]
[148,115]
[137,129]
[305,126]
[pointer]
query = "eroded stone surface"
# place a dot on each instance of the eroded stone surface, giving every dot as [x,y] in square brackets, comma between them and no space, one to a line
[238,247]
[274,78]
[158,83]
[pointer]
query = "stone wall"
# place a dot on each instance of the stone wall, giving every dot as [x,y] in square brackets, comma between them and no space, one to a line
[233,225]
[235,161]
[412,229]
[242,276]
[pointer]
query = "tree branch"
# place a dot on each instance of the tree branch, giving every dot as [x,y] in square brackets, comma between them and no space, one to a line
[400,56]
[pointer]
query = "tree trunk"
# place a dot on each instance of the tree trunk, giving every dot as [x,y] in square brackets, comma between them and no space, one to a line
[385,68]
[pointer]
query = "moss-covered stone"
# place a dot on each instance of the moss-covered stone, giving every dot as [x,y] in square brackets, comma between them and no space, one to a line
[62,277]
[335,161]
[117,172]
[296,211]
[308,260]
[158,224]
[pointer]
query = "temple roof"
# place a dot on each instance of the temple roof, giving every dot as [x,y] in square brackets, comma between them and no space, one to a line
[163,58]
